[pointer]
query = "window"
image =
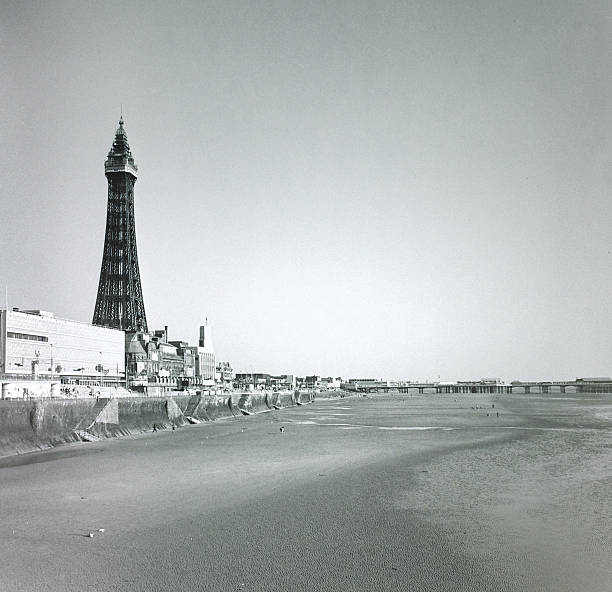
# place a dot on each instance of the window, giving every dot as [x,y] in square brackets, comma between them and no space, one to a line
[26,336]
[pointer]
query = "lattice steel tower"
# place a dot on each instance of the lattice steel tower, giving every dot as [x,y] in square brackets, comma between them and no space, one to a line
[119,304]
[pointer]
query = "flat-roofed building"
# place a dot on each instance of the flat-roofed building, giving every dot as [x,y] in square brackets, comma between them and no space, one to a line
[595,384]
[282,382]
[204,357]
[251,380]
[330,383]
[34,343]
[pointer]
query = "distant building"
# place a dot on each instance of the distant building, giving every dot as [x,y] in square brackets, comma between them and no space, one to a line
[595,379]
[364,384]
[331,383]
[224,374]
[595,384]
[244,380]
[260,380]
[311,382]
[34,343]
[204,357]
[283,382]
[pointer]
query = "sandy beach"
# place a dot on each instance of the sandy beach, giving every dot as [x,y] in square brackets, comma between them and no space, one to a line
[394,492]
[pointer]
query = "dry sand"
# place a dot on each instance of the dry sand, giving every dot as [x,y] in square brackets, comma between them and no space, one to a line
[383,493]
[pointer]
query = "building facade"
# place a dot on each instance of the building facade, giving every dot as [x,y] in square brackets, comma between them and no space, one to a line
[35,344]
[205,356]
[155,363]
[258,380]
[225,374]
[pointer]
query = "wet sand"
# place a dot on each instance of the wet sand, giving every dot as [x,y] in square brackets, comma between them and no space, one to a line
[390,492]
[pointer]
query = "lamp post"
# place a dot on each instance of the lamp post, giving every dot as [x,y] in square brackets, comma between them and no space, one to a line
[35,364]
[100,368]
[51,361]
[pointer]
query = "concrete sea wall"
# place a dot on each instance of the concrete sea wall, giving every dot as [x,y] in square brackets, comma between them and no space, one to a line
[31,425]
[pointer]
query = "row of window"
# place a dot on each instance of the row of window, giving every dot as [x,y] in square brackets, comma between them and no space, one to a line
[26,336]
[69,332]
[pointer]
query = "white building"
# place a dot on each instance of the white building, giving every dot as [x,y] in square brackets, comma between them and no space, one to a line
[33,343]
[204,354]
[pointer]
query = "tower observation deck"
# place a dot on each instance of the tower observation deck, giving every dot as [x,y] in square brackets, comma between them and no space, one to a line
[119,304]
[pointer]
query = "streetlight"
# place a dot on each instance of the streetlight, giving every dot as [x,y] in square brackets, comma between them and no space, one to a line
[51,361]
[35,364]
[100,368]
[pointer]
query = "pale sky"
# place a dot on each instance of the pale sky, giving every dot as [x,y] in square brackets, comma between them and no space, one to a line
[365,189]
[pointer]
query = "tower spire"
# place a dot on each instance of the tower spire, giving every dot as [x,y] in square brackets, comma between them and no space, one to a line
[119,303]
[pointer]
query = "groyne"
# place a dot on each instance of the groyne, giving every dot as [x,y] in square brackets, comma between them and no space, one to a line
[32,425]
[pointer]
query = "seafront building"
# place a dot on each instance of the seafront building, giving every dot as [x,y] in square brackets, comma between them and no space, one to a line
[35,344]
[204,356]
[156,365]
[258,380]
[224,374]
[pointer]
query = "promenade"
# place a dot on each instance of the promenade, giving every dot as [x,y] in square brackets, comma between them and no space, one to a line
[388,492]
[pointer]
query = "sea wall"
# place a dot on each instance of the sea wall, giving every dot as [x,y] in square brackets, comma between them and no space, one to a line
[38,424]
[30,425]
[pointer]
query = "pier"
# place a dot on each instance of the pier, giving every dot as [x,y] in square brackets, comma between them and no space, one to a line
[580,385]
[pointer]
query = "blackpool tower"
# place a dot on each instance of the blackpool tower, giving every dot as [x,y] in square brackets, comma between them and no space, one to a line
[119,304]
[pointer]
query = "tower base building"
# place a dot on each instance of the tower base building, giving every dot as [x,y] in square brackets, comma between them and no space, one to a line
[35,345]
